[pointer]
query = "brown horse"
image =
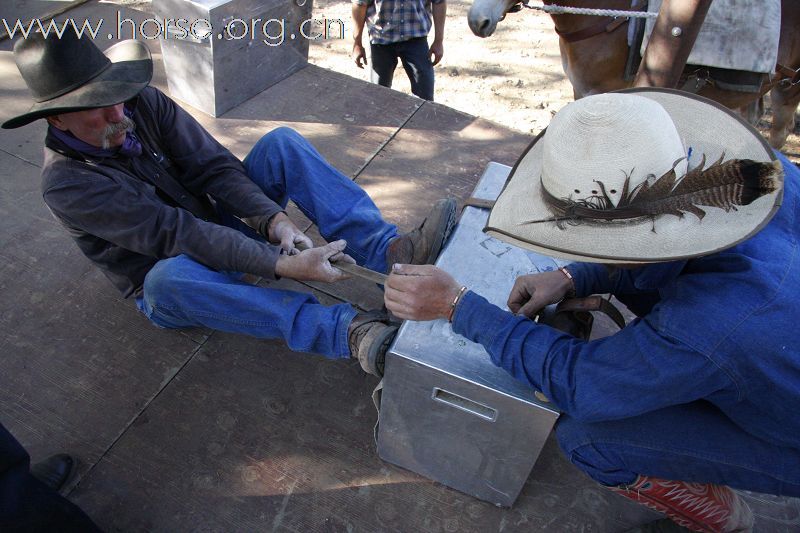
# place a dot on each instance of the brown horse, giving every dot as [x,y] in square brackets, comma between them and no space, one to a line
[594,55]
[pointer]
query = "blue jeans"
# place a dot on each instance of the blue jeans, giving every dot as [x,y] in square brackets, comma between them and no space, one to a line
[416,58]
[179,292]
[695,442]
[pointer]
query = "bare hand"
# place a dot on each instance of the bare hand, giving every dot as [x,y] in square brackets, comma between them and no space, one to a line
[283,231]
[314,264]
[436,52]
[359,55]
[420,292]
[534,291]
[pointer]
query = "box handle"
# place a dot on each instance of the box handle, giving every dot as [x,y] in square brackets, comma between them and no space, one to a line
[465,404]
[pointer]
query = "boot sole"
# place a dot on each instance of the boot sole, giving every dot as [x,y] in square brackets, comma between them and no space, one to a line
[373,363]
[444,226]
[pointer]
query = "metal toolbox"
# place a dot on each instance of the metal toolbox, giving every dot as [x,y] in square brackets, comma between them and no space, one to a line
[446,411]
[219,53]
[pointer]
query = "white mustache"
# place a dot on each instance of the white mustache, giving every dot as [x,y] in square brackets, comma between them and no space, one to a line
[112,130]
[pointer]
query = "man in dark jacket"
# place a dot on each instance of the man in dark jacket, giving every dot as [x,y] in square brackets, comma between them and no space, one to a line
[173,218]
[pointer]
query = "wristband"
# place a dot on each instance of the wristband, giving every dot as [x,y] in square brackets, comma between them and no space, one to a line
[453,305]
[571,293]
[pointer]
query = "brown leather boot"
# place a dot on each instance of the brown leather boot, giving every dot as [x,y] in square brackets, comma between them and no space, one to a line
[695,506]
[422,245]
[369,336]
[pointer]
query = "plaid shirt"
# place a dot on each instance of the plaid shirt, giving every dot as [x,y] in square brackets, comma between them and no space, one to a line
[393,21]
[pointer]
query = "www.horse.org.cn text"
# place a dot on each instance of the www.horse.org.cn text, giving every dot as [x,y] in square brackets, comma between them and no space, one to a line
[271,32]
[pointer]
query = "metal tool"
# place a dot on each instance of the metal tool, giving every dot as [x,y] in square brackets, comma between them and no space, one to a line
[355,270]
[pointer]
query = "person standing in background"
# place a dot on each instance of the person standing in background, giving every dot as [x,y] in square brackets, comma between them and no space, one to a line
[399,29]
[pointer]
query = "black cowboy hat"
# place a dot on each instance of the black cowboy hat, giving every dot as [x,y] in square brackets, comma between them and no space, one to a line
[70,74]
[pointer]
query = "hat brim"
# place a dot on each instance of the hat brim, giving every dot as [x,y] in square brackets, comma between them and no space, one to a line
[707,128]
[131,71]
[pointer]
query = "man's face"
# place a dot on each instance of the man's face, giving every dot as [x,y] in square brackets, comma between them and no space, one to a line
[103,127]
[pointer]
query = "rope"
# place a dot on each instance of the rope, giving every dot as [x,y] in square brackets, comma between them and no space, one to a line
[562,10]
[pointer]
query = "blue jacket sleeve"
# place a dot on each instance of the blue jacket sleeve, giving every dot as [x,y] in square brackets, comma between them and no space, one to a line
[594,278]
[589,278]
[634,371]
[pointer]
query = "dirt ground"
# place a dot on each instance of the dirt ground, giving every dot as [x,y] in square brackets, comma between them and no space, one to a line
[514,77]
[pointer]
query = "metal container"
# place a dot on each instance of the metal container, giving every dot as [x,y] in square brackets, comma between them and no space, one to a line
[219,53]
[446,411]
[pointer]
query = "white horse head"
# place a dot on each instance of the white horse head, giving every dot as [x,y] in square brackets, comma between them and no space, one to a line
[485,14]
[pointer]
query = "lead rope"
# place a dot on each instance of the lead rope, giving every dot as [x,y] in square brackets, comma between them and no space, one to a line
[566,10]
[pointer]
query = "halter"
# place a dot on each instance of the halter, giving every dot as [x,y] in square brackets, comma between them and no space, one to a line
[612,18]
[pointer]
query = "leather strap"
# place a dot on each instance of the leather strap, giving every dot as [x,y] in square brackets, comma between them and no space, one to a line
[573,316]
[790,74]
[606,24]
[694,83]
[480,203]
[592,303]
[355,270]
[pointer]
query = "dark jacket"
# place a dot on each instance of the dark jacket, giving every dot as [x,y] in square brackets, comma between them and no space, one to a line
[127,213]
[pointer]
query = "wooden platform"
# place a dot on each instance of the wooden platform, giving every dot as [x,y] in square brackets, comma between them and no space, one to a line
[199,430]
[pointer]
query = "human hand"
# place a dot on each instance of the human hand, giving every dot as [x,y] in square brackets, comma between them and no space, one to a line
[282,231]
[314,264]
[534,291]
[359,55]
[436,51]
[420,292]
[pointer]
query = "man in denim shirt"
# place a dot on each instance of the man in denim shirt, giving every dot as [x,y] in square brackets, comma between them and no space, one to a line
[399,29]
[699,393]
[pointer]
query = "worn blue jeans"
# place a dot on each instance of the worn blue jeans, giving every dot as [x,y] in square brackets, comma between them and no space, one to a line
[179,292]
[416,58]
[694,442]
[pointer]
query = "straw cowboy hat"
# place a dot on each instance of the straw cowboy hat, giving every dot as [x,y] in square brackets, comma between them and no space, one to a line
[566,196]
[70,74]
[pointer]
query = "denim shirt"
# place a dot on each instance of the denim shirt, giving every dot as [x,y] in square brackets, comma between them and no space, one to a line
[719,328]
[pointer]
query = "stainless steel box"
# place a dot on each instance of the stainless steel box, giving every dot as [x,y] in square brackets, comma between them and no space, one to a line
[219,53]
[446,411]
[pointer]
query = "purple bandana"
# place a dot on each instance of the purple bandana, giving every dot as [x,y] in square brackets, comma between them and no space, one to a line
[131,147]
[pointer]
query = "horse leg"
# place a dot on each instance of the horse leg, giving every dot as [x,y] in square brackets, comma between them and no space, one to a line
[753,111]
[784,105]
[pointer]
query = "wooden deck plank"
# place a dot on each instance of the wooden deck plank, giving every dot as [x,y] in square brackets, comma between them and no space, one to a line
[346,119]
[78,364]
[439,152]
[251,436]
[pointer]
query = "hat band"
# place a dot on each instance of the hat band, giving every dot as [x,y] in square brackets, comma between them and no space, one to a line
[724,185]
[594,208]
[74,86]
